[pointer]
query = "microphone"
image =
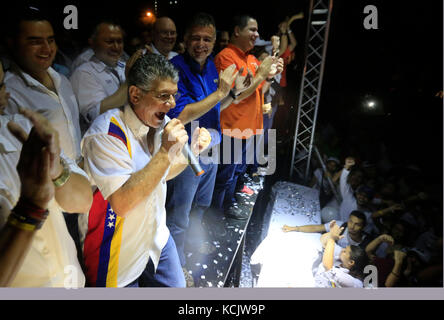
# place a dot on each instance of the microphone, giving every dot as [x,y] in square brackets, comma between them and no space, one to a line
[192,161]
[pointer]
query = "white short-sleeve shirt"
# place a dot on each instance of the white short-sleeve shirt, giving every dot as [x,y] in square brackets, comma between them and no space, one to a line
[92,82]
[336,277]
[60,108]
[52,258]
[114,148]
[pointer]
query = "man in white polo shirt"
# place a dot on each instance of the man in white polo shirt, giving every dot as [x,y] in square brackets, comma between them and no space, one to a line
[130,153]
[36,249]
[100,83]
[32,82]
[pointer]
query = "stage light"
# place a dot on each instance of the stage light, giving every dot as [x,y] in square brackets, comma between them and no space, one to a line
[371,104]
[147,17]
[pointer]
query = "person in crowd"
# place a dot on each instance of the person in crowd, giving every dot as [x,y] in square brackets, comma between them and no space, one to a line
[33,84]
[353,230]
[88,53]
[36,183]
[348,270]
[397,239]
[270,102]
[243,119]
[4,94]
[349,181]
[320,180]
[285,51]
[222,40]
[202,95]
[100,83]
[130,153]
[164,37]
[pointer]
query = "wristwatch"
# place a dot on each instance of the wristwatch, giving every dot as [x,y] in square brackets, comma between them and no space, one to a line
[64,176]
[232,94]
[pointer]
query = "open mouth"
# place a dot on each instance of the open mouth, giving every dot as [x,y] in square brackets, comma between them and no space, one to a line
[160,115]
[44,58]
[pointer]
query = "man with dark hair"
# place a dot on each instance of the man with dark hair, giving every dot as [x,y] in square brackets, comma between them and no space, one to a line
[201,92]
[100,83]
[88,52]
[33,84]
[354,233]
[243,119]
[130,153]
[35,246]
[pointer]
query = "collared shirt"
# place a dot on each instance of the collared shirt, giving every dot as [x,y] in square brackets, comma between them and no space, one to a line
[87,54]
[336,277]
[171,54]
[115,147]
[347,240]
[246,116]
[195,85]
[59,107]
[92,82]
[52,258]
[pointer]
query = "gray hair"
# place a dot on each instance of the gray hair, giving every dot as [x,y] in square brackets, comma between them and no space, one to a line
[150,68]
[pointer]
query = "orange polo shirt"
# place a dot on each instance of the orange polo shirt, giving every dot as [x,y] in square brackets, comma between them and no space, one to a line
[246,116]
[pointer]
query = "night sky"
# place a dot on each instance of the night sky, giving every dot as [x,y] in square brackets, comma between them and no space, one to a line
[400,64]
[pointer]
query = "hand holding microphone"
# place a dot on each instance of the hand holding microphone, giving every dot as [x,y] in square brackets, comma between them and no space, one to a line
[175,142]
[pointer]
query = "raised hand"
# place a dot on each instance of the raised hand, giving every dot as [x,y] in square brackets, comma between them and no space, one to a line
[349,162]
[226,79]
[200,140]
[39,161]
[386,238]
[136,55]
[242,83]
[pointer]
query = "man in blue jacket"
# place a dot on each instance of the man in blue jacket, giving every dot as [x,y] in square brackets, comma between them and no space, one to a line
[203,93]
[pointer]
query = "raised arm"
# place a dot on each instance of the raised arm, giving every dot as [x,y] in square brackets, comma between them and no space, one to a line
[395,274]
[307,229]
[195,110]
[29,214]
[372,246]
[329,251]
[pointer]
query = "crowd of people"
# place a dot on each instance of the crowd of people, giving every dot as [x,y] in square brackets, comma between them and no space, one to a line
[94,177]
[93,174]
[375,213]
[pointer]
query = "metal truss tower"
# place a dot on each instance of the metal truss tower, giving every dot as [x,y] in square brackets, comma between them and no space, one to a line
[310,92]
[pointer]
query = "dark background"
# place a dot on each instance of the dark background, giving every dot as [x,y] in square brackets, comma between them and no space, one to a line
[400,65]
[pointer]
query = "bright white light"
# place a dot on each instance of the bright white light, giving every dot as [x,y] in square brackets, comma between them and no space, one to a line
[371,104]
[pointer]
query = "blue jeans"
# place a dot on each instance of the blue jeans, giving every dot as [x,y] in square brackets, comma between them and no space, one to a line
[188,193]
[169,271]
[228,173]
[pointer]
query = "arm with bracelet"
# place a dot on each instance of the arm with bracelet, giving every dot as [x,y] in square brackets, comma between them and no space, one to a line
[42,176]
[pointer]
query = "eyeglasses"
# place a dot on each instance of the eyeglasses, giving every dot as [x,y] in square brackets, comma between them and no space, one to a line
[166,97]
[167,33]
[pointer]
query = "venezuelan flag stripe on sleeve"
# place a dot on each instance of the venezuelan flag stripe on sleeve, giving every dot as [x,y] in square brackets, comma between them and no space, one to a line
[116,131]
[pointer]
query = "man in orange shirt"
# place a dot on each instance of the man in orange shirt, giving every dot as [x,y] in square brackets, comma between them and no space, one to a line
[243,119]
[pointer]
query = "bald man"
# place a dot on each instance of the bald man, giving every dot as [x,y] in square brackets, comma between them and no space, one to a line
[164,37]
